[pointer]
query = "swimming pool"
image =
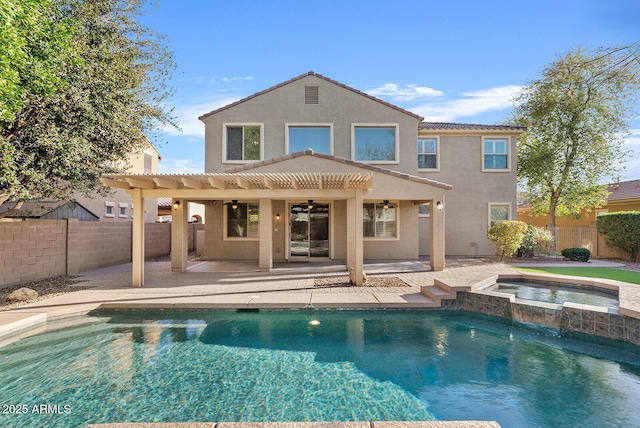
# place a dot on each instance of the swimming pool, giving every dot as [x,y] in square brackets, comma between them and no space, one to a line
[314,366]
[554,292]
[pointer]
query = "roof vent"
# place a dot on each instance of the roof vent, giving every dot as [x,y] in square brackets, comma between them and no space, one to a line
[311,95]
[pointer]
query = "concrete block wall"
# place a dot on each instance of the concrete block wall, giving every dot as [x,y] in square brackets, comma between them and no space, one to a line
[157,239]
[31,250]
[94,245]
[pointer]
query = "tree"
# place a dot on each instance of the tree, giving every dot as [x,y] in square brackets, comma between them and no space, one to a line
[576,115]
[621,230]
[108,91]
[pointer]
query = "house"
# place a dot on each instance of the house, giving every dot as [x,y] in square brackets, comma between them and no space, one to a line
[623,196]
[312,169]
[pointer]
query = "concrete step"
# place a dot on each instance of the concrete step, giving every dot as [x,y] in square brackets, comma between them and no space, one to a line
[436,293]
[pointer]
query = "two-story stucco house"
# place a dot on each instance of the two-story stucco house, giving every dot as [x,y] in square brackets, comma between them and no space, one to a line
[311,169]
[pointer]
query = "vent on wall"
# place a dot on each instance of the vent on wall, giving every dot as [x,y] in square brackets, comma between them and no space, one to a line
[311,95]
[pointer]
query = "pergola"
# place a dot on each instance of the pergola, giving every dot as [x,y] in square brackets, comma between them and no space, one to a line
[264,187]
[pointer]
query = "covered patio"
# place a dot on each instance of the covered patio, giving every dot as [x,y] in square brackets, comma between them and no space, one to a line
[265,188]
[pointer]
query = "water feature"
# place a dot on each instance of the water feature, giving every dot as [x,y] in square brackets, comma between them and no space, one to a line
[314,366]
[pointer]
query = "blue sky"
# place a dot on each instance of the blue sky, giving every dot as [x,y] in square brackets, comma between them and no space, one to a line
[455,60]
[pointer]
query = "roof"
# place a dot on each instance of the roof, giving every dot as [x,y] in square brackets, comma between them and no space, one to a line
[369,167]
[242,177]
[444,126]
[41,208]
[624,190]
[311,73]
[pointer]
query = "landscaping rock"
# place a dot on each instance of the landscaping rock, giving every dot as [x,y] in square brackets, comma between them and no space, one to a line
[22,294]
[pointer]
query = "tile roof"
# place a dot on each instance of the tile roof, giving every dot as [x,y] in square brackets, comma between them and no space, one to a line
[468,127]
[311,73]
[374,168]
[624,190]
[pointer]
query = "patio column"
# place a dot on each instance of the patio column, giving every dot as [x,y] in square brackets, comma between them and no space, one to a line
[179,234]
[355,251]
[137,244]
[436,253]
[266,235]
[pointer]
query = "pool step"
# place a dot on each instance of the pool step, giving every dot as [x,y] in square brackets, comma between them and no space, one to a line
[441,290]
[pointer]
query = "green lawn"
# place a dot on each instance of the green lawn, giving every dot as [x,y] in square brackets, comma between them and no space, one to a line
[608,273]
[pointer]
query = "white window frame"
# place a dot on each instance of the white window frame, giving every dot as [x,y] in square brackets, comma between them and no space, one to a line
[396,205]
[225,228]
[120,206]
[491,204]
[437,168]
[395,161]
[307,125]
[508,168]
[224,141]
[109,205]
[424,215]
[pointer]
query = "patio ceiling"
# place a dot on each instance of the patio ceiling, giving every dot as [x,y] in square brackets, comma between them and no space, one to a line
[241,181]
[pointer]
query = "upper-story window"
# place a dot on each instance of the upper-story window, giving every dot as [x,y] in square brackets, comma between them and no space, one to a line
[242,142]
[317,137]
[148,163]
[428,153]
[375,143]
[495,154]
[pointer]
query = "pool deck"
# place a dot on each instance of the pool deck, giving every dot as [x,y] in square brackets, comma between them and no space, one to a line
[236,285]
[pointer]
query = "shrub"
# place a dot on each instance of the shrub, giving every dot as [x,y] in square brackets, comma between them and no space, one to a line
[536,240]
[577,254]
[506,237]
[621,230]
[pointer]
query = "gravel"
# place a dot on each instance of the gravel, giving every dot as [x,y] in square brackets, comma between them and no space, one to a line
[46,289]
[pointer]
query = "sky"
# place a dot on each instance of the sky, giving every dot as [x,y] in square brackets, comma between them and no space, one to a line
[457,61]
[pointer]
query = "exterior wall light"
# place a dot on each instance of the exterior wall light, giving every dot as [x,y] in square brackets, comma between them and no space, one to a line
[176,205]
[439,205]
[278,217]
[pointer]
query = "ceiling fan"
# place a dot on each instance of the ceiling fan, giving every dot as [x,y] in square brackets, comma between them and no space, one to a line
[303,207]
[233,203]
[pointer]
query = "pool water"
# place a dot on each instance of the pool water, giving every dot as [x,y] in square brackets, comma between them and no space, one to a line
[552,292]
[315,366]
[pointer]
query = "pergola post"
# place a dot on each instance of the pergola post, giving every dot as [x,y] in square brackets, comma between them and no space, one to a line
[436,253]
[266,236]
[137,244]
[179,235]
[355,251]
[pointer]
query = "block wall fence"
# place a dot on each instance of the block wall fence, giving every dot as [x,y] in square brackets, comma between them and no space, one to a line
[37,249]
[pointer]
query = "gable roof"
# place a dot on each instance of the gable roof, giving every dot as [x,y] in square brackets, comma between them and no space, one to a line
[624,190]
[312,73]
[373,168]
[445,126]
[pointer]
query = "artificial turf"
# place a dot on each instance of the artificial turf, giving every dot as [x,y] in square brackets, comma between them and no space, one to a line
[632,277]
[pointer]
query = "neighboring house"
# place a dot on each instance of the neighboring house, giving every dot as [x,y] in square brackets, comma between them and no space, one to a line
[165,205]
[51,210]
[624,196]
[312,169]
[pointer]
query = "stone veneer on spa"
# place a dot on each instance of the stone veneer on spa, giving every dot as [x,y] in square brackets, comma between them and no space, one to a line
[573,317]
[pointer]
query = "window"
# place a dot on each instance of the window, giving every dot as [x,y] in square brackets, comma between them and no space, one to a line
[315,137]
[242,143]
[499,212]
[495,152]
[428,153]
[311,95]
[123,209]
[109,208]
[375,143]
[243,221]
[424,210]
[378,221]
[148,162]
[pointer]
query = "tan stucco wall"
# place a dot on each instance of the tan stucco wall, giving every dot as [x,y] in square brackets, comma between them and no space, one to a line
[338,106]
[466,208]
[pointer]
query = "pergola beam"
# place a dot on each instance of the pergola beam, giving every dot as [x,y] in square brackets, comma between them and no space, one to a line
[191,183]
[243,183]
[165,183]
[217,183]
[140,183]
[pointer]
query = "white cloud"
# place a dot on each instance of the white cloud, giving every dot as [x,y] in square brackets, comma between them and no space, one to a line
[398,94]
[230,79]
[187,115]
[470,104]
[180,166]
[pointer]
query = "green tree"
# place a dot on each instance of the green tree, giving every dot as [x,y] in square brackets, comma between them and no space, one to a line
[621,230]
[576,115]
[107,94]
